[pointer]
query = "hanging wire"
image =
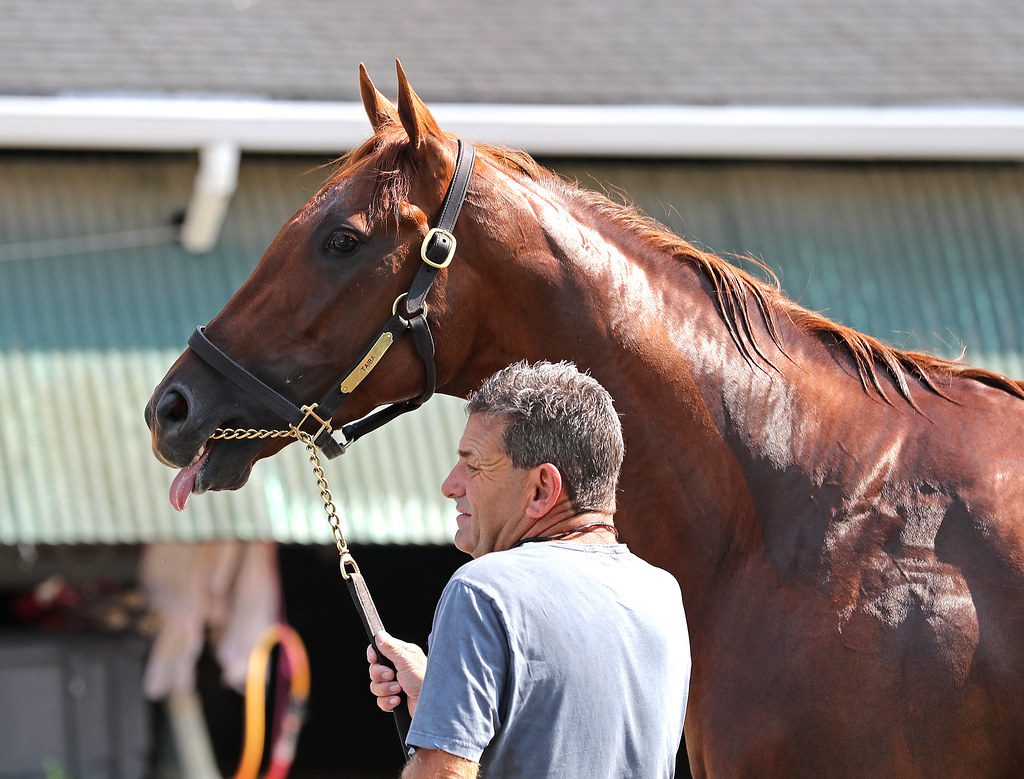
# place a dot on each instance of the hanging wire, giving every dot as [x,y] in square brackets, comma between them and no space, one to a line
[88,244]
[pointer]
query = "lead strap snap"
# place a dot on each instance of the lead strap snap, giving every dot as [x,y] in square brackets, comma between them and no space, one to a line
[347,565]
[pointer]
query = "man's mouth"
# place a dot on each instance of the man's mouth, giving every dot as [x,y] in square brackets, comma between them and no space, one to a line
[184,483]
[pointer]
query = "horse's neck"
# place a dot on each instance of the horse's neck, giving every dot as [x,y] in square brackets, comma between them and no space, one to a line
[648,329]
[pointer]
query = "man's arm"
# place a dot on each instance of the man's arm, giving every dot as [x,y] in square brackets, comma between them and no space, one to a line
[457,706]
[411,664]
[438,764]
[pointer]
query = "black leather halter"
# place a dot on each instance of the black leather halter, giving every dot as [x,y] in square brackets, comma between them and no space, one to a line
[408,313]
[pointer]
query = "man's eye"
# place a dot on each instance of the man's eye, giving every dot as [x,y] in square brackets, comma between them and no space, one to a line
[342,243]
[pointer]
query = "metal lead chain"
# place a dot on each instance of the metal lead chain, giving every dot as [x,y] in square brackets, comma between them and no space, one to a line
[347,563]
[328,500]
[238,434]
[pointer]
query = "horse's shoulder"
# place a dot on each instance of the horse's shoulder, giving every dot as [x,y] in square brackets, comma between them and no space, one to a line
[929,562]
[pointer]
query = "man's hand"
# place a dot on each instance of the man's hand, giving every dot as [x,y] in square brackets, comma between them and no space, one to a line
[411,664]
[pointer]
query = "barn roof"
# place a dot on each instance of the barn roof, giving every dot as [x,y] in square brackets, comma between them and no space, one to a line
[772,52]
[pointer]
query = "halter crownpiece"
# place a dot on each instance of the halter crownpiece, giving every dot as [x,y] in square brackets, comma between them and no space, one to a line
[409,312]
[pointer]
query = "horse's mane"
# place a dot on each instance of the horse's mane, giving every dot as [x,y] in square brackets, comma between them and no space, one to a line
[736,290]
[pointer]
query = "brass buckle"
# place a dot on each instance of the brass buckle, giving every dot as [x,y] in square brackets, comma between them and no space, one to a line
[426,241]
[310,411]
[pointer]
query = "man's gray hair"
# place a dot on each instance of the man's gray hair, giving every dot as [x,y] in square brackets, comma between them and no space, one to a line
[555,414]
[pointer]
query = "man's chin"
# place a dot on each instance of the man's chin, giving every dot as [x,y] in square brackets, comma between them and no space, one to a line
[463,544]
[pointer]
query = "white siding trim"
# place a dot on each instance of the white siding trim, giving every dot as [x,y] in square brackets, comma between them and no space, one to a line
[840,132]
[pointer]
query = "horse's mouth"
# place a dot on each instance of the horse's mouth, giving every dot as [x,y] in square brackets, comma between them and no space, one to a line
[217,465]
[184,484]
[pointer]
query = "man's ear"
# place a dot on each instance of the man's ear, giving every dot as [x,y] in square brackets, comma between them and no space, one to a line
[546,490]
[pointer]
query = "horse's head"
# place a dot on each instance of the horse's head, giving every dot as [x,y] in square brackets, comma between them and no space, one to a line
[316,299]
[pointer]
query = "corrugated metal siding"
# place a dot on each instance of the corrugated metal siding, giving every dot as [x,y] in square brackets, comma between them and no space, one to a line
[75,466]
[84,339]
[924,256]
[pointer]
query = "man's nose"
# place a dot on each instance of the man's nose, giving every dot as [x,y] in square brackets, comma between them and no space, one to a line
[450,487]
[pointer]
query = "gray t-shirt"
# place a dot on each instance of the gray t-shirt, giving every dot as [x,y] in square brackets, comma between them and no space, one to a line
[558,659]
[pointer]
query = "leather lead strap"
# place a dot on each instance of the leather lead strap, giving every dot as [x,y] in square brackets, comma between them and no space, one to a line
[373,624]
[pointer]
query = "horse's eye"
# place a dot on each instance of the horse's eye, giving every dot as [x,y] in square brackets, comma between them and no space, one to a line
[342,243]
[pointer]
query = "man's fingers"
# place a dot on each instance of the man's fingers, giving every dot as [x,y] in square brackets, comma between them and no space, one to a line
[393,649]
[388,704]
[408,659]
[385,689]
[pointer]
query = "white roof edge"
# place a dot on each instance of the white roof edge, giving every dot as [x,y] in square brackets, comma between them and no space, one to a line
[793,132]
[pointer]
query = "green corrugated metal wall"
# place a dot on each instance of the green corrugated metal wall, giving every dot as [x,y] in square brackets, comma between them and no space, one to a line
[85,337]
[925,256]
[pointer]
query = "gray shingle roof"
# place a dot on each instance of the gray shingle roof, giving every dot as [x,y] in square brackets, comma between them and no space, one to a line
[869,52]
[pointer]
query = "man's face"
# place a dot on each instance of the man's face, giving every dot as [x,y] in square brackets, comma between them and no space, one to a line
[490,494]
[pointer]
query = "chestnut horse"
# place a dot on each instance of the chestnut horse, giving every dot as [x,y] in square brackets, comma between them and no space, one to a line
[845,519]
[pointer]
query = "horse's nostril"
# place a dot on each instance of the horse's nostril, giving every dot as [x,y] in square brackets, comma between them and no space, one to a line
[178,411]
[173,408]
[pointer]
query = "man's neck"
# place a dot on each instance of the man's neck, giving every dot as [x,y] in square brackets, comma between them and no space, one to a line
[564,523]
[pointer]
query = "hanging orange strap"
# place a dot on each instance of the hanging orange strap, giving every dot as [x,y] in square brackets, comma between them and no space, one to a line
[283,750]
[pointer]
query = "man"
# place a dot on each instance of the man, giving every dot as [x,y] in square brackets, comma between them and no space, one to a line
[555,651]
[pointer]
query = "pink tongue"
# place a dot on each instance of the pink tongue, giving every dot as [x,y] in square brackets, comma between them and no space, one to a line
[184,482]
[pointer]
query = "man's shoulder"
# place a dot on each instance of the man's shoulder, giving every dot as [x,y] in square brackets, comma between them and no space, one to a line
[498,575]
[486,570]
[548,565]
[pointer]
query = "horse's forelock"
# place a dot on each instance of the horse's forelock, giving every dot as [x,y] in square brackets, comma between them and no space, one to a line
[391,158]
[387,156]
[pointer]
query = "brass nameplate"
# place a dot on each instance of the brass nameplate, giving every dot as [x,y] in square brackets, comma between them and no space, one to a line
[369,362]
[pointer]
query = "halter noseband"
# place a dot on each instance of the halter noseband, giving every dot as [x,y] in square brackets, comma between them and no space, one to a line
[436,251]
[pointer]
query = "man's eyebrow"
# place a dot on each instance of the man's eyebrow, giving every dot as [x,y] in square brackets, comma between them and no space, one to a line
[465,452]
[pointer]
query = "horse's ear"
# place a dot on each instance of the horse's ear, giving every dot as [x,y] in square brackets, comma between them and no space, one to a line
[416,117]
[378,108]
